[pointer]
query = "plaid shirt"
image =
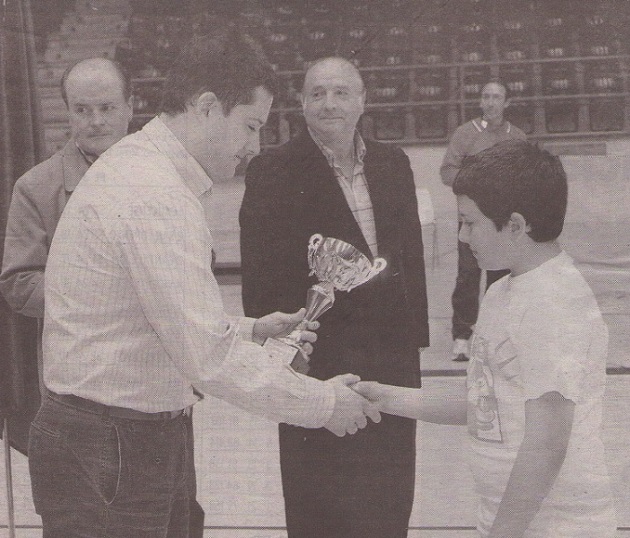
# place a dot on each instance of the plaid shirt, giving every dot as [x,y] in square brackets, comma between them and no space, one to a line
[355,189]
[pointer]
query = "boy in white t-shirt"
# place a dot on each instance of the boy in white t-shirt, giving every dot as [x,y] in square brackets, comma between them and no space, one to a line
[537,373]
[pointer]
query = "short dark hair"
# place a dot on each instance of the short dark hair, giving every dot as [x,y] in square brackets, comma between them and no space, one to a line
[515,176]
[500,82]
[227,63]
[123,75]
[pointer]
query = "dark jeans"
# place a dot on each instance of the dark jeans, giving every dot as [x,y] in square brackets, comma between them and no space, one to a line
[99,476]
[465,298]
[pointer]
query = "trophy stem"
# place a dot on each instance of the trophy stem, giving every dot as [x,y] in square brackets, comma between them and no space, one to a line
[319,298]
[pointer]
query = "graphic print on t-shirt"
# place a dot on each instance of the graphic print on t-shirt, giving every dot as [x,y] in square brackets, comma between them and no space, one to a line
[483,412]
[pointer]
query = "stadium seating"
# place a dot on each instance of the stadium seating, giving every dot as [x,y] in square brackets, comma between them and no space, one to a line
[424,62]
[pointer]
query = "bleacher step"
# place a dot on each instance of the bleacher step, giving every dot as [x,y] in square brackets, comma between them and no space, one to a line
[61,42]
[68,56]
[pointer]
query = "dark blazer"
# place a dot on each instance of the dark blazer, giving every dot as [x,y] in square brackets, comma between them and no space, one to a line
[362,485]
[38,200]
[292,193]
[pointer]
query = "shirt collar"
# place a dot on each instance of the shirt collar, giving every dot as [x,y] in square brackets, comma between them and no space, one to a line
[74,165]
[359,148]
[187,167]
[481,125]
[89,158]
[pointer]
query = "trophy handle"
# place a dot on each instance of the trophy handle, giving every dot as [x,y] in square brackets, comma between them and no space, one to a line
[378,265]
[315,240]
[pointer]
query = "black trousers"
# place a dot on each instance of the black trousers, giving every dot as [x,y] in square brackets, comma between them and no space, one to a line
[465,299]
[197,516]
[357,486]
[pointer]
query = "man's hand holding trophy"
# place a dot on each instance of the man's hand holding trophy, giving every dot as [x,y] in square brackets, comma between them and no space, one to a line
[338,266]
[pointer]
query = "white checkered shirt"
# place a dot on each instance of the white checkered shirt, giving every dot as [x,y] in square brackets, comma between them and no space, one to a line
[355,189]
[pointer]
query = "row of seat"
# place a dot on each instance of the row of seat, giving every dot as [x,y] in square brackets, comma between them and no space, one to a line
[384,34]
[431,122]
[424,66]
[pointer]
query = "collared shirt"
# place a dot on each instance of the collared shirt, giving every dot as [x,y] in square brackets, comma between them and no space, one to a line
[481,124]
[89,158]
[134,316]
[355,189]
[471,138]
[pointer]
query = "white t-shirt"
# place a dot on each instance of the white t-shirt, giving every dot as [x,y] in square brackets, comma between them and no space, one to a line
[539,332]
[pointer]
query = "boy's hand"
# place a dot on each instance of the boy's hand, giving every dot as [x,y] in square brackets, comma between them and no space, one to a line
[370,390]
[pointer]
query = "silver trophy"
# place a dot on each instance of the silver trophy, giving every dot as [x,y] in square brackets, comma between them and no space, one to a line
[337,265]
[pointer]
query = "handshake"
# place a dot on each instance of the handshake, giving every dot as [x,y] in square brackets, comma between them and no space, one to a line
[354,400]
[351,409]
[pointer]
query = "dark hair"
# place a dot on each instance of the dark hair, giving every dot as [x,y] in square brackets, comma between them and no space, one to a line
[121,72]
[497,80]
[228,63]
[515,176]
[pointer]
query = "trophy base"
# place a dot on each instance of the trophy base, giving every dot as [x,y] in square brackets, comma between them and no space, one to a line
[288,354]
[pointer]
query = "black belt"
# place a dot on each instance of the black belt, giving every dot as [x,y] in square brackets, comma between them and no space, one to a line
[113,411]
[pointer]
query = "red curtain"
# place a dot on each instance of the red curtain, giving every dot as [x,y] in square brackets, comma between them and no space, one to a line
[21,147]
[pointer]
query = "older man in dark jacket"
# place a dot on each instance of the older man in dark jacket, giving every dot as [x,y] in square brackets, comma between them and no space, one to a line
[329,181]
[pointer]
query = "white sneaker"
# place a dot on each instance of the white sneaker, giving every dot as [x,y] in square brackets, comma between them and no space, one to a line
[461,350]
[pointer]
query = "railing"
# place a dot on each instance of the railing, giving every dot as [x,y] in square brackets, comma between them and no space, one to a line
[406,112]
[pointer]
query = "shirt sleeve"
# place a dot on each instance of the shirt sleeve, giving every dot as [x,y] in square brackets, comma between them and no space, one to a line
[452,159]
[553,342]
[25,255]
[246,327]
[166,246]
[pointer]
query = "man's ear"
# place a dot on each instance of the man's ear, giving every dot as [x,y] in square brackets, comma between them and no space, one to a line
[129,112]
[518,225]
[205,103]
[507,104]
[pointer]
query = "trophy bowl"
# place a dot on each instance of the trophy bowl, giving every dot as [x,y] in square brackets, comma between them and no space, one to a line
[344,266]
[337,265]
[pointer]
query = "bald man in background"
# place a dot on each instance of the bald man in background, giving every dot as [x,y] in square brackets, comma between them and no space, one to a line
[97,93]
[98,96]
